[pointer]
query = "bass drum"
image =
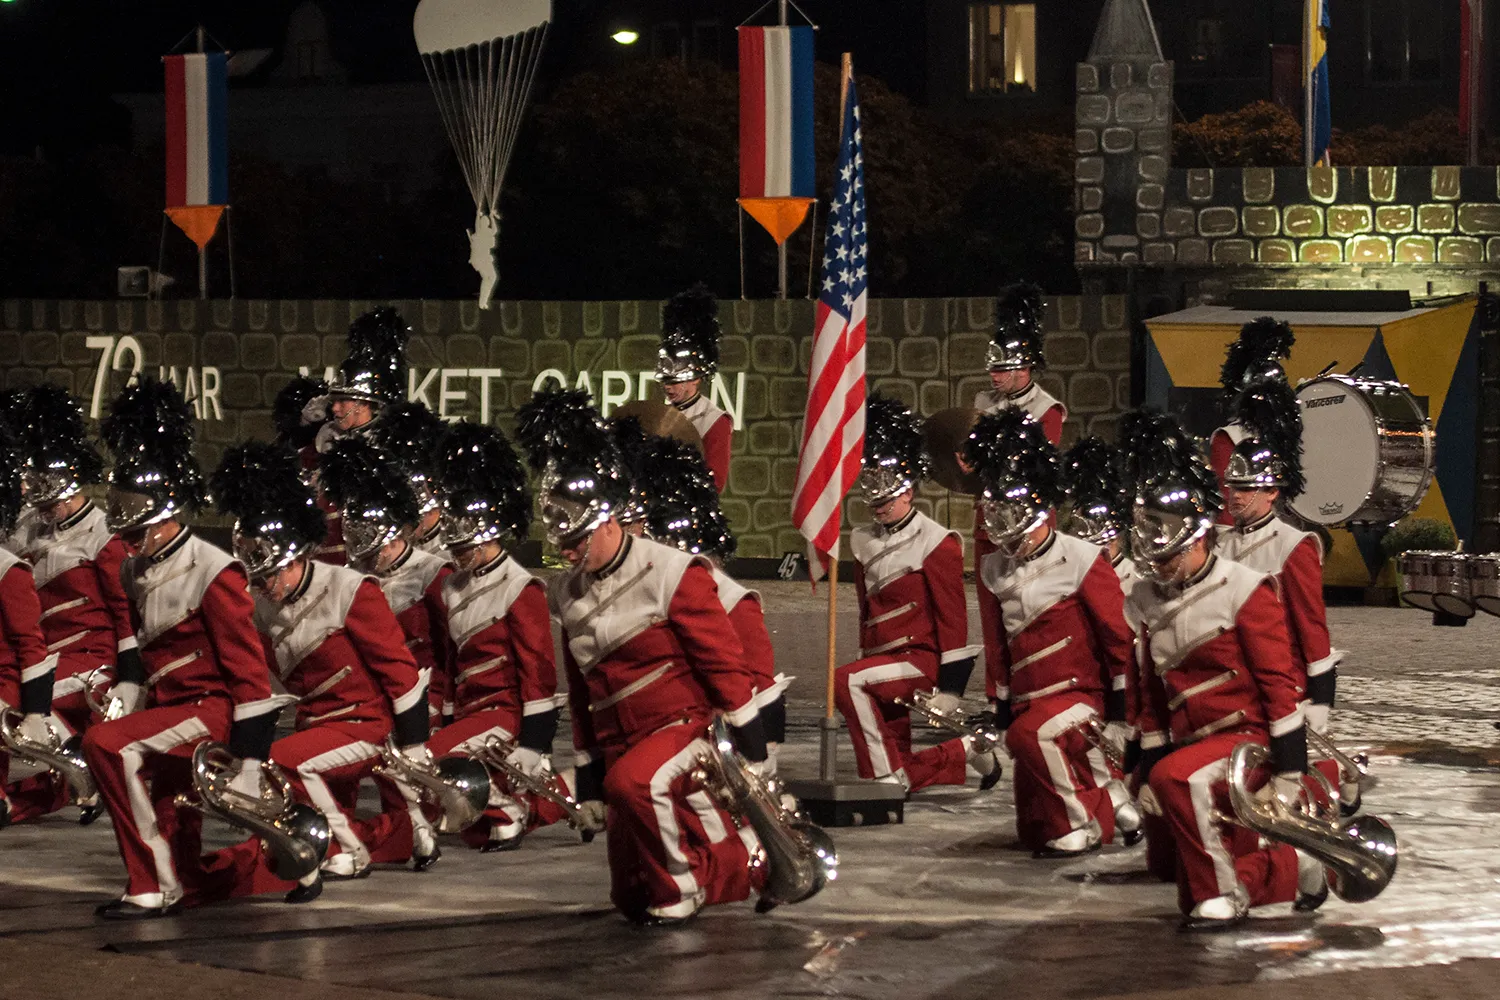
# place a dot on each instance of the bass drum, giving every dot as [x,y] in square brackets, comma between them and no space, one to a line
[1367,451]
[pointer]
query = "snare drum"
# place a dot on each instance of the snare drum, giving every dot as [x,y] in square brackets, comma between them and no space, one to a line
[1436,581]
[1484,582]
[1367,451]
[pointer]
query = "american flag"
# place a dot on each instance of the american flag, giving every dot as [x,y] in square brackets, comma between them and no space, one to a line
[833,431]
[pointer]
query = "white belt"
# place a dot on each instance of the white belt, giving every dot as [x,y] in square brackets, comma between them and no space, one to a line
[1040,654]
[179,662]
[639,684]
[329,684]
[1197,689]
[1060,686]
[1230,720]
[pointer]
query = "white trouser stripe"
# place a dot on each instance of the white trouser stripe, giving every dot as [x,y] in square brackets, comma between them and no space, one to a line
[1201,789]
[708,815]
[144,813]
[1058,769]
[666,814]
[868,717]
[310,771]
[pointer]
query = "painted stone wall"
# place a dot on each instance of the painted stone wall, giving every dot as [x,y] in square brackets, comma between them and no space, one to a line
[233,357]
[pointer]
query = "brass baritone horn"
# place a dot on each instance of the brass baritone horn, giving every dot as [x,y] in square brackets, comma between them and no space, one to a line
[799,857]
[1360,854]
[1094,732]
[109,708]
[62,757]
[495,754]
[1351,769]
[293,835]
[985,737]
[458,786]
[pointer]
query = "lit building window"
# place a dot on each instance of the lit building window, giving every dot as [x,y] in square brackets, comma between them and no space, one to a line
[1002,47]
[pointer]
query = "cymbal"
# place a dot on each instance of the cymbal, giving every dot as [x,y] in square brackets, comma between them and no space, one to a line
[944,434]
[661,420]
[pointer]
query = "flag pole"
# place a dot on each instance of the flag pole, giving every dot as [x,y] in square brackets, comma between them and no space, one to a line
[202,250]
[829,726]
[1309,16]
[1476,48]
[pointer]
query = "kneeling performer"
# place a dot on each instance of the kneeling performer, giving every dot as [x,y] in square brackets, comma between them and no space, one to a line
[1217,672]
[913,618]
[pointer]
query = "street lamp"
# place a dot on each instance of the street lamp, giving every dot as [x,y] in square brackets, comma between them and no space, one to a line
[626,37]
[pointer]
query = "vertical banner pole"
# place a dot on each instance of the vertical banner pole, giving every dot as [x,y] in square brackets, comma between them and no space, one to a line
[781,270]
[1472,57]
[1309,25]
[741,215]
[202,272]
[812,249]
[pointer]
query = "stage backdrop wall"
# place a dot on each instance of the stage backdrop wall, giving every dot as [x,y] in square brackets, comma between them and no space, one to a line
[232,357]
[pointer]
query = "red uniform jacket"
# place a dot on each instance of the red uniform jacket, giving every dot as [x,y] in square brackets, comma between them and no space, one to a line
[1063,615]
[749,620]
[1220,447]
[647,645]
[715,427]
[1294,561]
[25,665]
[1215,658]
[85,616]
[414,590]
[498,618]
[339,649]
[910,583]
[195,626]
[1042,406]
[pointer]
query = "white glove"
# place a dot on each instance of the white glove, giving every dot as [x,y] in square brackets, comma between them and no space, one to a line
[763,770]
[247,782]
[591,816]
[527,761]
[944,703]
[417,753]
[1147,801]
[1286,786]
[130,694]
[34,727]
[1317,718]
[1119,734]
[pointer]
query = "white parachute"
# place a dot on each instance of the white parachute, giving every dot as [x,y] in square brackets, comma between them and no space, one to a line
[481,58]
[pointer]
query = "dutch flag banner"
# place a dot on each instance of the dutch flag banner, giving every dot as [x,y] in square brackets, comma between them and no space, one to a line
[776,112]
[197,129]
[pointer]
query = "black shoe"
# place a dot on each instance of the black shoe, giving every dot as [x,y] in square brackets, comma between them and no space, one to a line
[1348,807]
[334,877]
[662,923]
[121,909]
[1210,925]
[305,893]
[1133,837]
[4,813]
[1308,902]
[508,844]
[87,814]
[422,862]
[992,779]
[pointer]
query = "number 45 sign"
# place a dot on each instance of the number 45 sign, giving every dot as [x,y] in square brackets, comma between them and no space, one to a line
[200,386]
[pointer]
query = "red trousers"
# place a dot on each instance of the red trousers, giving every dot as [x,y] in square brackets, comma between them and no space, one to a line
[140,763]
[880,730]
[507,806]
[989,605]
[671,846]
[326,763]
[1212,856]
[1061,781]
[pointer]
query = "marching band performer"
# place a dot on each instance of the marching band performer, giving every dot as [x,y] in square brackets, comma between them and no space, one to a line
[379,509]
[1098,503]
[686,365]
[202,672]
[651,659]
[1263,471]
[413,435]
[26,667]
[372,377]
[297,425]
[1217,671]
[1015,354]
[682,509]
[76,562]
[504,673]
[1256,354]
[1063,656]
[914,628]
[334,642]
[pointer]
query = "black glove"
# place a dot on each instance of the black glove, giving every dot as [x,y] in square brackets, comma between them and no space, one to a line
[1149,759]
[1289,752]
[1114,706]
[750,740]
[954,677]
[128,666]
[1132,755]
[588,782]
[538,729]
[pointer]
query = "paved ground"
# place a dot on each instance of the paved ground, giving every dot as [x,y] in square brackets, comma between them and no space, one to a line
[943,906]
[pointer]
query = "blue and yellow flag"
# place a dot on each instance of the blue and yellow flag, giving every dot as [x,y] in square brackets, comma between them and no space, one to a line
[1318,121]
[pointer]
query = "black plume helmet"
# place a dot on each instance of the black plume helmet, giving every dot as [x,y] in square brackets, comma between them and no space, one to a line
[683,507]
[1257,354]
[276,518]
[10,481]
[375,370]
[633,442]
[1270,454]
[689,337]
[894,458]
[1017,340]
[57,456]
[296,425]
[1093,480]
[1176,497]
[1020,474]
[584,482]
[413,436]
[150,433]
[483,487]
[372,491]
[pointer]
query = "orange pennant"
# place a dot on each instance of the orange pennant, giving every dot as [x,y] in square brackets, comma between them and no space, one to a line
[778,216]
[199,222]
